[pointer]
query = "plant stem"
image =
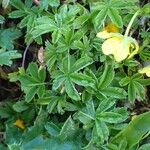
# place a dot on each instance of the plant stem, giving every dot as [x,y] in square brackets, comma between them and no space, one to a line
[130,23]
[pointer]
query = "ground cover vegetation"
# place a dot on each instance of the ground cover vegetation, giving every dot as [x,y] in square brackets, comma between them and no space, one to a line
[74,74]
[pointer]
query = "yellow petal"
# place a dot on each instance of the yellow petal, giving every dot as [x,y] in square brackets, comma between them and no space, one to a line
[104,35]
[111,27]
[109,46]
[20,124]
[121,53]
[145,70]
[116,46]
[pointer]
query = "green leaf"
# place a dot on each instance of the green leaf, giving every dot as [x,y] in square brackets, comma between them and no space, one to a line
[96,6]
[99,19]
[6,57]
[52,104]
[20,106]
[125,81]
[17,14]
[114,92]
[140,90]
[31,93]
[42,73]
[7,37]
[55,36]
[54,3]
[115,17]
[134,132]
[144,82]
[82,79]
[14,146]
[68,129]
[145,147]
[87,114]
[81,63]
[121,4]
[107,76]
[34,143]
[44,100]
[71,91]
[110,117]
[105,105]
[83,117]
[45,25]
[18,4]
[34,132]
[102,130]
[145,10]
[2,19]
[58,82]
[33,70]
[80,21]
[52,129]
[13,135]
[5,112]
[131,91]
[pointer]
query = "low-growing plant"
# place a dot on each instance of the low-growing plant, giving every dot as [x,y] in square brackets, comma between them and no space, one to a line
[77,69]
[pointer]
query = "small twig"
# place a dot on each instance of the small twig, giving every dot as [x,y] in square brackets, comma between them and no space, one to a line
[24,55]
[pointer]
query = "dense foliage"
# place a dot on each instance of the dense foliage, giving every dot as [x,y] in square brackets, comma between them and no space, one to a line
[74,75]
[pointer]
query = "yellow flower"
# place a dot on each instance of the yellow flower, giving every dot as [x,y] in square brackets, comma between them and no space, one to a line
[145,70]
[118,45]
[20,124]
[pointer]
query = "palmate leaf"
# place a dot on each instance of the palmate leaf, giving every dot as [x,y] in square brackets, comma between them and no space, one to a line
[135,85]
[32,81]
[68,75]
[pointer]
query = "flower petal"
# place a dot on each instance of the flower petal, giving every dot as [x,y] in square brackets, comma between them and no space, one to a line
[111,27]
[122,52]
[116,46]
[145,70]
[105,35]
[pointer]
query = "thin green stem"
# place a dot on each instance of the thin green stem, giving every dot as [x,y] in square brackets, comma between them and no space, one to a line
[130,23]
